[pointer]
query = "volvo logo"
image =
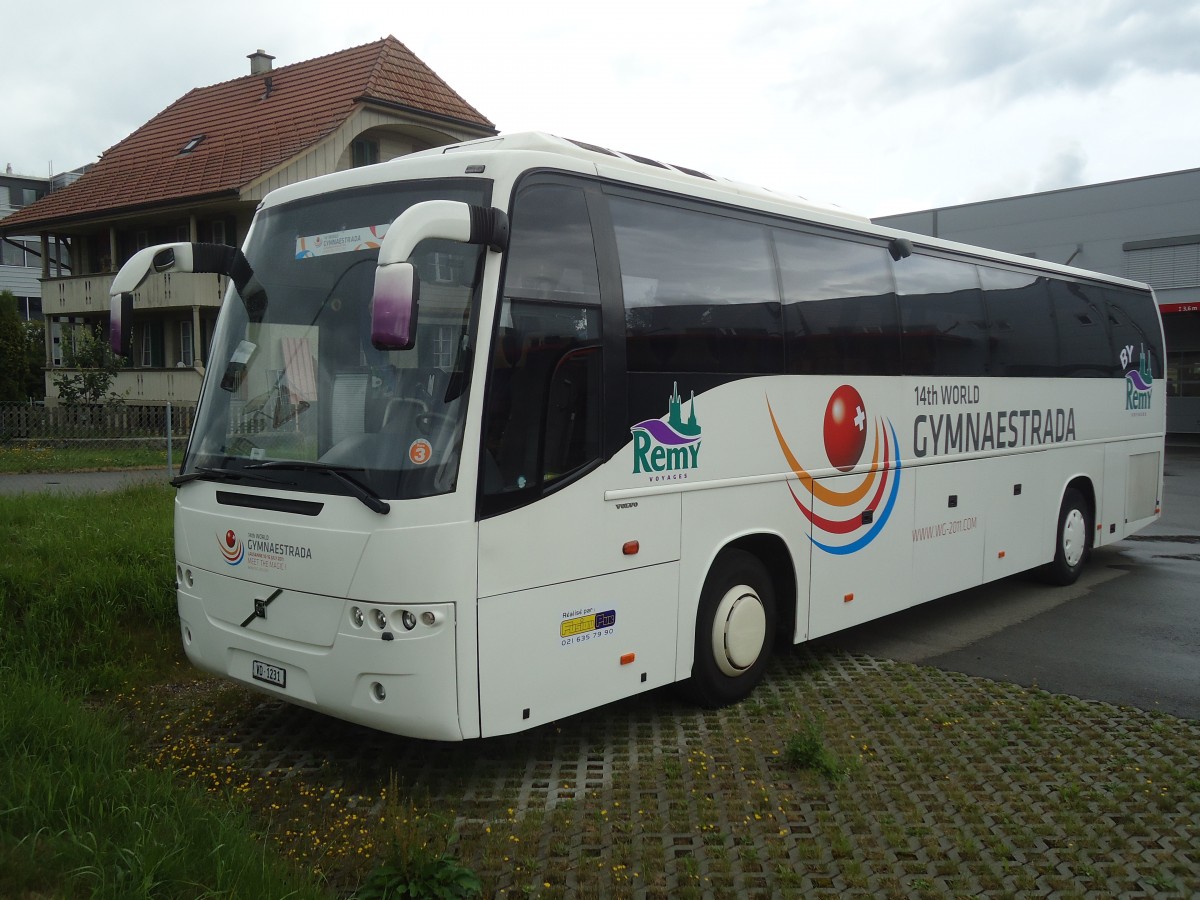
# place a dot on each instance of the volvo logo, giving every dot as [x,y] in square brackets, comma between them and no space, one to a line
[260,607]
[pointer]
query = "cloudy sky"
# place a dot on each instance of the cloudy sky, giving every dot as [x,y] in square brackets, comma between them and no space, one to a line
[875,105]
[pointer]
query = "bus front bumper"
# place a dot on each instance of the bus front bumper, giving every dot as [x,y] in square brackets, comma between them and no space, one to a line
[371,664]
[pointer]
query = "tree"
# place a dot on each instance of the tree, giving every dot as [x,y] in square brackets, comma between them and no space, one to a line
[97,366]
[12,349]
[35,359]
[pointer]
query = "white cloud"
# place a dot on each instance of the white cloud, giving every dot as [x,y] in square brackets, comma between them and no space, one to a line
[878,106]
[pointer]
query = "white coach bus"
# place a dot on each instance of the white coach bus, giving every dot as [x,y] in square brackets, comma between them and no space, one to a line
[499,432]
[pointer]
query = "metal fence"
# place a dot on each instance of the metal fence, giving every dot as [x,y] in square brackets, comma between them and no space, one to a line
[112,426]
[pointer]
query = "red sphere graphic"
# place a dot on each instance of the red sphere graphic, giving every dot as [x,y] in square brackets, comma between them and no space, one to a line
[845,428]
[231,538]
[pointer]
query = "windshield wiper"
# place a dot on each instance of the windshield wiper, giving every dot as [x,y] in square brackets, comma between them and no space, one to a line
[212,473]
[369,498]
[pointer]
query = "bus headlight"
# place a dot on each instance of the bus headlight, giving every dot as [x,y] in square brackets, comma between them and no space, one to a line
[380,619]
[356,616]
[408,620]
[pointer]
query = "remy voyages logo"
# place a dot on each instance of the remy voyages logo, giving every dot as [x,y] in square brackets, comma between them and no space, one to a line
[666,449]
[1139,382]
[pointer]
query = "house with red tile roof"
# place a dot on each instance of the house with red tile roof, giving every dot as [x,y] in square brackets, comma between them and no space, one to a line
[196,172]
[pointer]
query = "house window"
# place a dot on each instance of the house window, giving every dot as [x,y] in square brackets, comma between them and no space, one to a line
[364,152]
[185,342]
[152,345]
[443,346]
[141,240]
[191,144]
[218,232]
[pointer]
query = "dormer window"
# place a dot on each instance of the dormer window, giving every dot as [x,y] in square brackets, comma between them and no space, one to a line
[192,144]
[364,152]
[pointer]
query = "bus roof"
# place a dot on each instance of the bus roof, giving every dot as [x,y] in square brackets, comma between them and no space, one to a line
[505,157]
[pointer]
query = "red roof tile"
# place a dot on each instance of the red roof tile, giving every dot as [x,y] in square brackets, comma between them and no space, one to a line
[248,130]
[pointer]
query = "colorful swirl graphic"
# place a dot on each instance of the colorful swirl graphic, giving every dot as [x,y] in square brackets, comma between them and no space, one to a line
[881,484]
[231,548]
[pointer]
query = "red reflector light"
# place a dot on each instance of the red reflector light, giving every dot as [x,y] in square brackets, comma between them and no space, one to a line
[847,598]
[630,548]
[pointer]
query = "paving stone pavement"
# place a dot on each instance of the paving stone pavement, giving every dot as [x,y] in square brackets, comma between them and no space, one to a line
[941,785]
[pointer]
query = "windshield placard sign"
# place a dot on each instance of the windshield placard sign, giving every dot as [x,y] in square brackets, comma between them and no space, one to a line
[349,240]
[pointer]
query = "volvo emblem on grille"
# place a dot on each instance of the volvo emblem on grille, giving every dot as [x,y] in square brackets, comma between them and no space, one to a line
[260,607]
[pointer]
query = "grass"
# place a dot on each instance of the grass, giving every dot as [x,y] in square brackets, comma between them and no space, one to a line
[123,773]
[21,458]
[81,818]
[86,598]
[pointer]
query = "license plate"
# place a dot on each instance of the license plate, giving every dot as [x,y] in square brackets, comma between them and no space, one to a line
[271,674]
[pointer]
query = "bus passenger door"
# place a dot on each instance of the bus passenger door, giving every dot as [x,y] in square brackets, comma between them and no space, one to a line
[578,594]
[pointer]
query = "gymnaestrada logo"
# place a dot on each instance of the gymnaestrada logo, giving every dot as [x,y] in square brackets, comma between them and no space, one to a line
[231,547]
[858,514]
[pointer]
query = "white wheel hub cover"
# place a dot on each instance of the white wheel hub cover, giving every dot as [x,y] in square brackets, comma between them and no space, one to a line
[739,630]
[1074,537]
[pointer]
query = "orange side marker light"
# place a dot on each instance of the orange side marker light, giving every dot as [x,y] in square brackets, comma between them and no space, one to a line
[631,548]
[847,598]
[627,658]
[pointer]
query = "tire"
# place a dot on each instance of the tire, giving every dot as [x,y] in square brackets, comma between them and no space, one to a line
[735,630]
[1072,539]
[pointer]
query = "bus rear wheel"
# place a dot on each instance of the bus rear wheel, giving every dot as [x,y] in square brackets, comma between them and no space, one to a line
[1072,539]
[735,629]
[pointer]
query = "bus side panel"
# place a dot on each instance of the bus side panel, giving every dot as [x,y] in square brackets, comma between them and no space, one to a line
[949,523]
[870,577]
[1021,515]
[561,649]
[1132,489]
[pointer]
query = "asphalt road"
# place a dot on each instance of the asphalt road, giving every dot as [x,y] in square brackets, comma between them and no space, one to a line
[1127,633]
[78,482]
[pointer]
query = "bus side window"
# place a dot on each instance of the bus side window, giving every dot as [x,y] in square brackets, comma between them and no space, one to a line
[941,311]
[1084,346]
[1021,328]
[1134,325]
[699,289]
[542,415]
[839,307]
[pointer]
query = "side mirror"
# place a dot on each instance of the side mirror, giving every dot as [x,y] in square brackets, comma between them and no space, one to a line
[394,301]
[120,322]
[139,267]
[181,257]
[394,307]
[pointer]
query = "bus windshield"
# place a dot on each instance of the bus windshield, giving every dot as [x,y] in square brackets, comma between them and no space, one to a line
[295,391]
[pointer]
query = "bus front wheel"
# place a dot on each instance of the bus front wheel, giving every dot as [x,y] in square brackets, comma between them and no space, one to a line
[1072,539]
[735,629]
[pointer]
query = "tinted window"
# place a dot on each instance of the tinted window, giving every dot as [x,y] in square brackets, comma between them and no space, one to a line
[941,310]
[1021,327]
[839,309]
[550,253]
[1134,324]
[1084,348]
[542,419]
[699,291]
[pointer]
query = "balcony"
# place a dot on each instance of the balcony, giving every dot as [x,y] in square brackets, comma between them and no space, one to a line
[151,387]
[87,295]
